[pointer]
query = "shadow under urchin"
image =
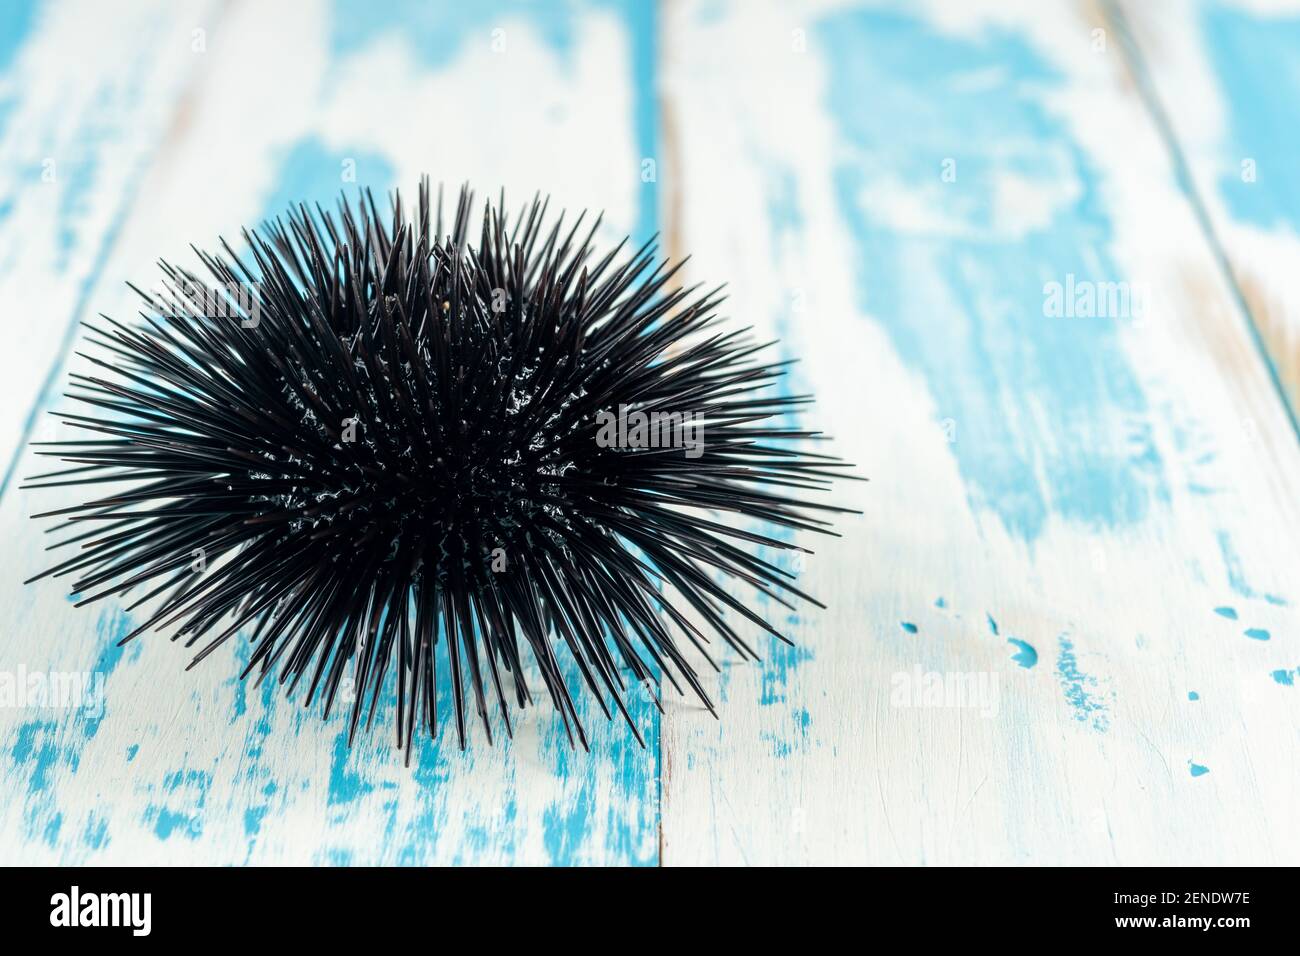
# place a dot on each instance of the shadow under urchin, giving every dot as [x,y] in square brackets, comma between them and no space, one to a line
[382,457]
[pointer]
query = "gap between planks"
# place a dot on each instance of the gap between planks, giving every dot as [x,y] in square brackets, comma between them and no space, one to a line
[155,158]
[1135,63]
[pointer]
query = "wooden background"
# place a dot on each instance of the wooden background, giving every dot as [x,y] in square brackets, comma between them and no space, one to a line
[1092,517]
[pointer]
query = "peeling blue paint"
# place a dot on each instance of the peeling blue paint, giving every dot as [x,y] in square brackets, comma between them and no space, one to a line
[1193,695]
[16,20]
[1285,677]
[337,856]
[345,782]
[1081,690]
[1228,612]
[253,820]
[779,665]
[1257,633]
[908,626]
[1025,656]
[52,827]
[803,719]
[1197,770]
[436,33]
[964,304]
[1232,566]
[182,806]
[309,172]
[35,746]
[1247,52]
[168,822]
[96,833]
[643,28]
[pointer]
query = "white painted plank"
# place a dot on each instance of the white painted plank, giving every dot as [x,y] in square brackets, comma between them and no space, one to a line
[187,768]
[1226,75]
[78,122]
[1094,486]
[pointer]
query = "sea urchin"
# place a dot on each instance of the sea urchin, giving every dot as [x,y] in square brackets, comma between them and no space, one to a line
[366,441]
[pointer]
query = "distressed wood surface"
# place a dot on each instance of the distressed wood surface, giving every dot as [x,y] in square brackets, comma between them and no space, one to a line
[1073,523]
[74,145]
[1225,76]
[184,768]
[1058,503]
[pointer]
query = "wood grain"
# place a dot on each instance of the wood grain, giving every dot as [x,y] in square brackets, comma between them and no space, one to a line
[73,148]
[1058,502]
[184,768]
[1222,74]
[1045,640]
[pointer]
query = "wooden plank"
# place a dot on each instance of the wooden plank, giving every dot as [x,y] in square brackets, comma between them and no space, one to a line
[73,146]
[184,768]
[1059,501]
[1224,76]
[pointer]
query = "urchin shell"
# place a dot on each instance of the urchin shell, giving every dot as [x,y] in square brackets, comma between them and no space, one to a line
[372,446]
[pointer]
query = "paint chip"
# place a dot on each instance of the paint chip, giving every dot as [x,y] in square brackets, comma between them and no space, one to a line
[1192,695]
[1229,612]
[1082,691]
[1026,656]
[1257,634]
[1285,677]
[908,626]
[1197,769]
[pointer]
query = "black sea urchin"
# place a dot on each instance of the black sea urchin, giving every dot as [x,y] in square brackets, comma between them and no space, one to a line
[371,441]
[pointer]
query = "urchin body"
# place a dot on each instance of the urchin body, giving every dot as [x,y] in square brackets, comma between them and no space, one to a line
[381,458]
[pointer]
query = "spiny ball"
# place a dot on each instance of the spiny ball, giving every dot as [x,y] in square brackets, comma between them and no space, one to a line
[376,449]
